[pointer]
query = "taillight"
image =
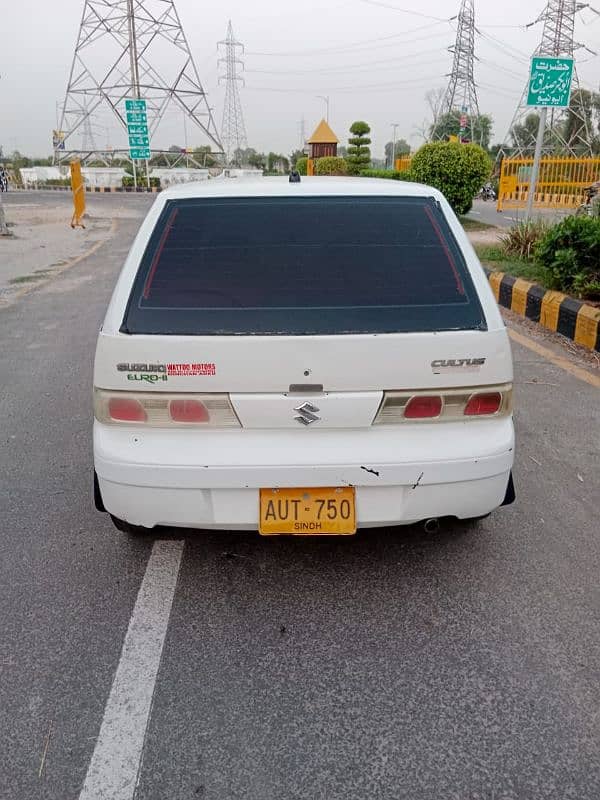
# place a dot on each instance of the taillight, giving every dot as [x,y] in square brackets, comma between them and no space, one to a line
[162,410]
[188,411]
[447,405]
[483,403]
[126,409]
[425,407]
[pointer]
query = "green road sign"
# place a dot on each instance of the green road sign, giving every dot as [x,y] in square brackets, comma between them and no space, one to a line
[135,105]
[137,130]
[137,118]
[139,152]
[139,141]
[550,82]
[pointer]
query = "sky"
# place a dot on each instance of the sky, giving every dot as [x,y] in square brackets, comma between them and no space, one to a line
[374,59]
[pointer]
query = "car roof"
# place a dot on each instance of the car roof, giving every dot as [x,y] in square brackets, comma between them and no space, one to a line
[309,186]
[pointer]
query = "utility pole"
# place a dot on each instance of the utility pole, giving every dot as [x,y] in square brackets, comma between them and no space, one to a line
[233,129]
[558,39]
[302,126]
[326,99]
[395,126]
[461,92]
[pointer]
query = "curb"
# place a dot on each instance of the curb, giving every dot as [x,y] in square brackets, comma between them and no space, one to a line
[553,310]
[89,189]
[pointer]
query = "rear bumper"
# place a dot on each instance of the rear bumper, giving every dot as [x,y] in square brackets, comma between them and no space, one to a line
[211,479]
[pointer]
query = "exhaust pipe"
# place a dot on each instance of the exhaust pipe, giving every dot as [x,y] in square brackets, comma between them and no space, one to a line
[431,525]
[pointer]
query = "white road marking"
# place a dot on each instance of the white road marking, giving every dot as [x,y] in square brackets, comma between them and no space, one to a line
[114,768]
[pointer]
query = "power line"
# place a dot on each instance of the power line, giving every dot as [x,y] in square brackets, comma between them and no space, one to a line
[351,46]
[401,10]
[407,57]
[425,79]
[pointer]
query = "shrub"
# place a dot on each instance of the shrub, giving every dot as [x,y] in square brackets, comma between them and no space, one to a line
[457,170]
[302,165]
[522,238]
[570,255]
[331,165]
[390,174]
[141,182]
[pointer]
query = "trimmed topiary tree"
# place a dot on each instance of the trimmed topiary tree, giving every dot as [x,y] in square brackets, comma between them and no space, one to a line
[359,153]
[331,165]
[457,170]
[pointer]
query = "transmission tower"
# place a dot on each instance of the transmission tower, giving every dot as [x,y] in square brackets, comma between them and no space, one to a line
[569,130]
[233,130]
[461,93]
[132,49]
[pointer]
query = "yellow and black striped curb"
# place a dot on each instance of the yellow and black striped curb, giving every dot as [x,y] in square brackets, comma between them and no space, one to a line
[556,311]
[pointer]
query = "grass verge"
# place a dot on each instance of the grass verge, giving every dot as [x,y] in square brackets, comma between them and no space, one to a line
[496,259]
[475,224]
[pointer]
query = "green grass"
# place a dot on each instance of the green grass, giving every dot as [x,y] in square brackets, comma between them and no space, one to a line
[39,275]
[496,259]
[475,224]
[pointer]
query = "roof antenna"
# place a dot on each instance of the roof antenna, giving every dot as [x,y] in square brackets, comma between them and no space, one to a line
[294,175]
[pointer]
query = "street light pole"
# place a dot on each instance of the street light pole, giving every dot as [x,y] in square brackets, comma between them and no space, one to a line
[326,99]
[395,126]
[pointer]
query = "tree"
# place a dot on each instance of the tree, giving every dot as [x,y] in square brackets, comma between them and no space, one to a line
[359,154]
[295,156]
[480,128]
[302,165]
[457,170]
[579,122]
[204,156]
[402,149]
[277,163]
[524,134]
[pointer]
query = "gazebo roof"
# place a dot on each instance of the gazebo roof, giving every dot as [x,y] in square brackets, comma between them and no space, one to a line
[323,135]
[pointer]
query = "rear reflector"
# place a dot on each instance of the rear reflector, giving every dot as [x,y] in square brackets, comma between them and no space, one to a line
[126,409]
[161,410]
[448,405]
[425,407]
[483,403]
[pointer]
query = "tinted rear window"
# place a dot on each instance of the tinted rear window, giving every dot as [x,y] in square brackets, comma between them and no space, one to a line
[306,265]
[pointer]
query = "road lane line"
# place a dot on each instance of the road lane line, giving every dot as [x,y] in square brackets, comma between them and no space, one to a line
[559,361]
[115,763]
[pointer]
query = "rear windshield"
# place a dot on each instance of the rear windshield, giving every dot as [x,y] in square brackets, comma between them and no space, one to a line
[307,265]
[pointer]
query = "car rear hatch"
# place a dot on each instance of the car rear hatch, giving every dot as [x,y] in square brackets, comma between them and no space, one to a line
[304,311]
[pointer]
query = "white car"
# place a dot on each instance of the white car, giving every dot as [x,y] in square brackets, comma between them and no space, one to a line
[301,358]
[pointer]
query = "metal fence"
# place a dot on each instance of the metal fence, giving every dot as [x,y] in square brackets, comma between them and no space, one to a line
[561,182]
[403,163]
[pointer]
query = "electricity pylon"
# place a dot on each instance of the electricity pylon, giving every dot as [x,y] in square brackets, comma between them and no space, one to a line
[131,49]
[233,130]
[569,130]
[461,92]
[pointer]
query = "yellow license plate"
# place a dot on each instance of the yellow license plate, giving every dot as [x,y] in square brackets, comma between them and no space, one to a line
[308,512]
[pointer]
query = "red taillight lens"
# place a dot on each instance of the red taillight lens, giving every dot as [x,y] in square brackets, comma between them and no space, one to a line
[484,403]
[188,411]
[423,407]
[125,409]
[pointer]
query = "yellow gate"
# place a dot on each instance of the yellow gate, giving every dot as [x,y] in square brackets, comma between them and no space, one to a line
[561,182]
[402,163]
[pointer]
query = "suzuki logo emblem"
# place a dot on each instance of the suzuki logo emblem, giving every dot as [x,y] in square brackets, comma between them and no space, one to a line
[307,414]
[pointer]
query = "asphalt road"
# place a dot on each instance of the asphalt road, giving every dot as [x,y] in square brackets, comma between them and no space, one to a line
[485,211]
[394,664]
